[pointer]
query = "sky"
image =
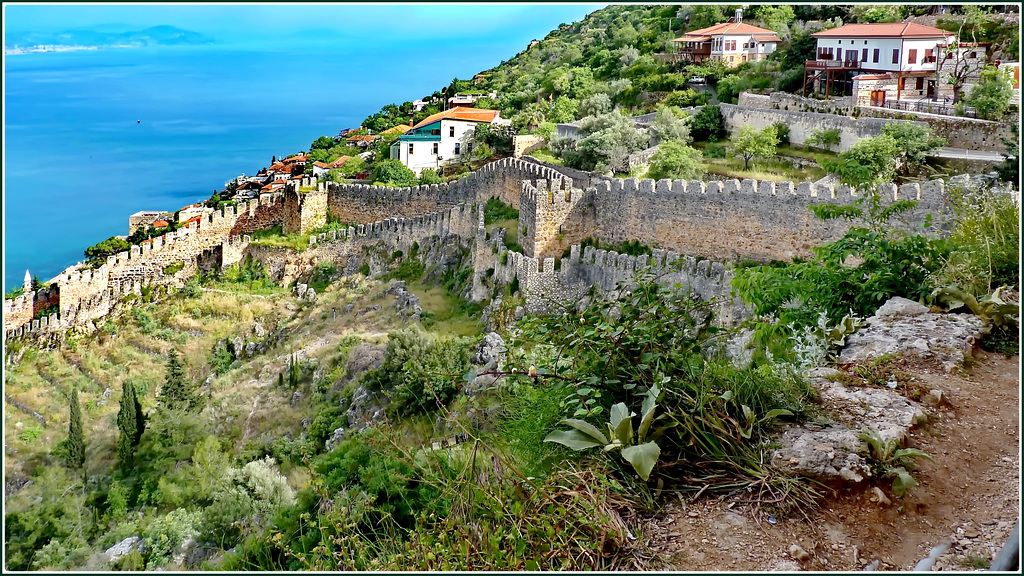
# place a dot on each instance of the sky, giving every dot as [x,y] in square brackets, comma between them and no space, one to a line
[242,23]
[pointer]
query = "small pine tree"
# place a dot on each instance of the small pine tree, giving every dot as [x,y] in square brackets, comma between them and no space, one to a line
[130,423]
[177,393]
[75,455]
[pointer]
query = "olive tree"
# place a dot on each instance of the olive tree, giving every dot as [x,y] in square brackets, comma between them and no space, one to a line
[752,143]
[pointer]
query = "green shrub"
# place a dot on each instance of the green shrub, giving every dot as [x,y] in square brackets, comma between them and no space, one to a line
[497,211]
[419,370]
[172,269]
[889,262]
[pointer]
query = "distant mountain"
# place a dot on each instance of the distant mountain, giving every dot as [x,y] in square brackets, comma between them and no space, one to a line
[105,36]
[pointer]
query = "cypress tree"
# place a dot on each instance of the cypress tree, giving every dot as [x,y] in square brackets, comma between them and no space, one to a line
[177,393]
[130,423]
[75,455]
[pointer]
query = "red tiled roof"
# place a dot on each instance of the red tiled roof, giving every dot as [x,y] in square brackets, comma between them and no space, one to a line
[336,164]
[892,30]
[401,129]
[362,138]
[767,38]
[728,28]
[294,159]
[461,113]
[192,219]
[161,224]
[692,38]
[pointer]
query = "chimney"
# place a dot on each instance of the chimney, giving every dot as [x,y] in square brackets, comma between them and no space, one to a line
[739,15]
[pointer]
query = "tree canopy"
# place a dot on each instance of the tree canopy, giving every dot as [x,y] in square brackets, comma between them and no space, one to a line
[752,143]
[676,160]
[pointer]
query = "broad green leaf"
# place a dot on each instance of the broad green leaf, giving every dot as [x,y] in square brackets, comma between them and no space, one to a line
[772,414]
[623,432]
[902,482]
[748,414]
[573,439]
[647,408]
[911,453]
[586,428]
[727,395]
[619,411]
[643,457]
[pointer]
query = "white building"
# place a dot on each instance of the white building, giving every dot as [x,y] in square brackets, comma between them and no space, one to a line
[731,42]
[905,52]
[441,139]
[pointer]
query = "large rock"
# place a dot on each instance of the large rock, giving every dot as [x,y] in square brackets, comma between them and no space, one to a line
[835,454]
[902,328]
[364,357]
[366,410]
[832,455]
[338,435]
[489,349]
[406,303]
[123,548]
[899,306]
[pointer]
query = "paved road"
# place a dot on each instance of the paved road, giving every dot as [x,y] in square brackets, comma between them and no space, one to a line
[968,154]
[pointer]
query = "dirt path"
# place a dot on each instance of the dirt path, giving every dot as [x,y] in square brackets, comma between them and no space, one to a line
[969,497]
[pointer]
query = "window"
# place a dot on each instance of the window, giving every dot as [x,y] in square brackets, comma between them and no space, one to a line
[864,55]
[410,149]
[435,132]
[469,148]
[839,53]
[972,55]
[912,57]
[895,55]
[875,56]
[920,84]
[928,56]
[457,148]
[839,42]
[865,43]
[435,149]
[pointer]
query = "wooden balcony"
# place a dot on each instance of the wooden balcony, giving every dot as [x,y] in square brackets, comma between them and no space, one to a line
[832,65]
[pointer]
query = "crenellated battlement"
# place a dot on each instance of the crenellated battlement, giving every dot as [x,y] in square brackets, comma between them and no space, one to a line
[708,221]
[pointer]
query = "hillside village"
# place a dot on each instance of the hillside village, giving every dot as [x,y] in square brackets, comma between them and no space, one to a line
[743,206]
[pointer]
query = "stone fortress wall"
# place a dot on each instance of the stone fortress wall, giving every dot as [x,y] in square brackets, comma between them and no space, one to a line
[722,221]
[85,295]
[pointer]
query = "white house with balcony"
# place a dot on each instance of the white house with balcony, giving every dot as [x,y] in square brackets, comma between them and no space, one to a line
[443,138]
[897,59]
[732,43]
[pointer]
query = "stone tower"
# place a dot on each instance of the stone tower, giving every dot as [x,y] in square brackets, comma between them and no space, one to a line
[28,282]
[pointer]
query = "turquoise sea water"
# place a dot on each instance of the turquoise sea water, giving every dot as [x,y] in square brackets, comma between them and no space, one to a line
[91,137]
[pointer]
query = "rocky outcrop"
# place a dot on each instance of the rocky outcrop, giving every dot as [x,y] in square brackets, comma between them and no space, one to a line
[407,304]
[902,327]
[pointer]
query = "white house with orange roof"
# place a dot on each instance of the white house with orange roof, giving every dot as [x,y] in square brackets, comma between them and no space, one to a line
[901,54]
[321,168]
[443,138]
[732,43]
[192,211]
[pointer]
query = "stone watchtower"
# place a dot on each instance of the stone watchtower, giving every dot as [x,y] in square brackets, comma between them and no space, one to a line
[27,285]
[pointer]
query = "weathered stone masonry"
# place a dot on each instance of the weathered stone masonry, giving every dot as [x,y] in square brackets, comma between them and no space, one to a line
[721,221]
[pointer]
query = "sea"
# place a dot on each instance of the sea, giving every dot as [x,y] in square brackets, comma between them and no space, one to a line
[91,137]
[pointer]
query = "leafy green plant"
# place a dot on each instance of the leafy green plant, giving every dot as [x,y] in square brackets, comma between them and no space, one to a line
[174,268]
[30,434]
[641,451]
[851,276]
[889,461]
